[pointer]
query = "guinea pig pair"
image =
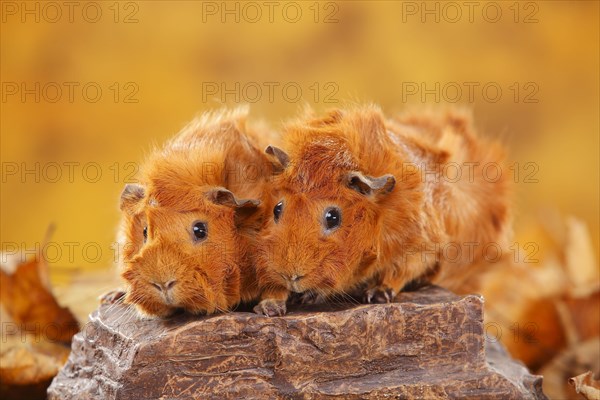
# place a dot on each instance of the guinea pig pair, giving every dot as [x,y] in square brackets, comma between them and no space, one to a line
[350,202]
[188,228]
[366,203]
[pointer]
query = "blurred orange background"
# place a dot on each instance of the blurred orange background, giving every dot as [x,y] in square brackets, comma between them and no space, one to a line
[89,88]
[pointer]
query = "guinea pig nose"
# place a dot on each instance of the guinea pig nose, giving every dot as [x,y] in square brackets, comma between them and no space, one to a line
[170,284]
[164,287]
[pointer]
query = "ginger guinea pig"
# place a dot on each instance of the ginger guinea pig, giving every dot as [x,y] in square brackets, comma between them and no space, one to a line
[363,203]
[187,228]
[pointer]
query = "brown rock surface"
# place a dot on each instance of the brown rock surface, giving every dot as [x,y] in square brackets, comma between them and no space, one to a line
[428,344]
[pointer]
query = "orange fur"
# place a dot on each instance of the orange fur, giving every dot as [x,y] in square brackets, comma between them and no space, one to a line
[195,177]
[394,230]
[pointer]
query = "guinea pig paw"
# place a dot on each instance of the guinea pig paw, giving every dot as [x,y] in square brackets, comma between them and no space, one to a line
[112,296]
[380,295]
[306,298]
[271,308]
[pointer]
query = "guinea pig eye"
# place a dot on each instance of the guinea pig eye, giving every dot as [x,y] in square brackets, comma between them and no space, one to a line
[200,230]
[145,233]
[333,218]
[277,211]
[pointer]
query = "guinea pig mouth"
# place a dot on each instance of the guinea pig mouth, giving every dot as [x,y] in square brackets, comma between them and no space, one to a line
[295,286]
[294,283]
[168,299]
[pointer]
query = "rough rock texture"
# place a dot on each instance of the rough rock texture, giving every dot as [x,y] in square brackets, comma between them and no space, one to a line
[428,344]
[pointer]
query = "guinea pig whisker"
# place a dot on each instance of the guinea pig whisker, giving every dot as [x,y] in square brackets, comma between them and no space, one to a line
[339,296]
[122,316]
[344,298]
[198,297]
[111,307]
[125,316]
[131,312]
[116,303]
[119,302]
[270,286]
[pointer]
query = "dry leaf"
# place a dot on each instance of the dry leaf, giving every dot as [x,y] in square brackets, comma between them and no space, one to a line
[581,265]
[581,315]
[27,366]
[549,312]
[36,330]
[569,362]
[32,307]
[586,385]
[25,361]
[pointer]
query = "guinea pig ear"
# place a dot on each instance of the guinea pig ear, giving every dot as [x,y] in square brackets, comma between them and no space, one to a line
[367,185]
[131,195]
[225,197]
[278,154]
